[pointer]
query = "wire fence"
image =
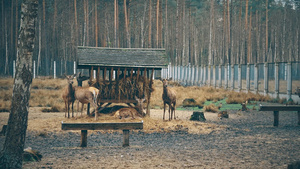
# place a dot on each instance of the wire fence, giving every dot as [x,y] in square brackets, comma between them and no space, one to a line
[267,78]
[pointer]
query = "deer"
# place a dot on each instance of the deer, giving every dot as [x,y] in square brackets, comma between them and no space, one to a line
[68,95]
[130,111]
[84,97]
[83,94]
[169,97]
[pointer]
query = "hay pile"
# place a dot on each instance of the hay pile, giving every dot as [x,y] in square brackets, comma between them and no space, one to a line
[124,88]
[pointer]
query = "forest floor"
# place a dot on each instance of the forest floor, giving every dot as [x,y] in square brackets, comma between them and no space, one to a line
[247,139]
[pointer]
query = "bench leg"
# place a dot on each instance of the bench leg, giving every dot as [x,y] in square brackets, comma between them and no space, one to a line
[298,117]
[125,138]
[83,142]
[276,118]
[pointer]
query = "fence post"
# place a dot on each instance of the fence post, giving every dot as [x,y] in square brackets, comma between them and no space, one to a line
[193,75]
[74,67]
[14,68]
[276,73]
[226,75]
[54,69]
[256,77]
[34,69]
[266,78]
[196,75]
[248,77]
[204,75]
[232,77]
[289,80]
[240,77]
[201,75]
[214,77]
[220,76]
[209,75]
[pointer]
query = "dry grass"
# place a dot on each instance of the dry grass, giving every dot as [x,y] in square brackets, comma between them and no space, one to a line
[211,108]
[47,93]
[240,97]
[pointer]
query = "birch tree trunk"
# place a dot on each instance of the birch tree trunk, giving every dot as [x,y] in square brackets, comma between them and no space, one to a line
[126,25]
[12,154]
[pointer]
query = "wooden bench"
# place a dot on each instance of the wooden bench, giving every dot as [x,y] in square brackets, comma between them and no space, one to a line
[102,126]
[277,108]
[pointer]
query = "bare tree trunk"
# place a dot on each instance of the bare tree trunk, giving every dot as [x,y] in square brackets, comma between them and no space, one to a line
[96,25]
[210,32]
[6,47]
[76,25]
[267,37]
[150,26]
[249,38]
[126,25]
[40,47]
[115,23]
[143,25]
[12,154]
[157,23]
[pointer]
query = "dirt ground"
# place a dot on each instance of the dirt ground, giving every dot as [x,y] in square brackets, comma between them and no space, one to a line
[244,140]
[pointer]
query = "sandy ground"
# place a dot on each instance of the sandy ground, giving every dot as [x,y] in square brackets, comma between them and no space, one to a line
[244,140]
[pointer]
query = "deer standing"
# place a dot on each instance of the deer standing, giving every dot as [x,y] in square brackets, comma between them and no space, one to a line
[69,95]
[169,97]
[130,111]
[82,94]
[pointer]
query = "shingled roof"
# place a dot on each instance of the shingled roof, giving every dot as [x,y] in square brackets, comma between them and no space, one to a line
[121,57]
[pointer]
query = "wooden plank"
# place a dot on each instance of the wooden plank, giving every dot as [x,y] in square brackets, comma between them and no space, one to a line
[276,118]
[102,126]
[83,142]
[125,138]
[279,108]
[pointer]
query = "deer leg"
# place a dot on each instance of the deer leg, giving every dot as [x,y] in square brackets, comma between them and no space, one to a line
[169,113]
[173,110]
[77,107]
[72,109]
[66,109]
[82,105]
[164,111]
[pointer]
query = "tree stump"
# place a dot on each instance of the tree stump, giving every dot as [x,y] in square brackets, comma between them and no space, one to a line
[197,116]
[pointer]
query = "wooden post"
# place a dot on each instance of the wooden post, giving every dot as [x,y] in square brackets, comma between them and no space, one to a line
[104,74]
[276,75]
[232,77]
[276,118]
[83,142]
[240,77]
[248,77]
[98,75]
[125,138]
[266,79]
[256,77]
[289,80]
[220,76]
[226,74]
[117,86]
[149,94]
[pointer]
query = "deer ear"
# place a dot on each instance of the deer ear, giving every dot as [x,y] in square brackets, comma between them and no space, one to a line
[136,98]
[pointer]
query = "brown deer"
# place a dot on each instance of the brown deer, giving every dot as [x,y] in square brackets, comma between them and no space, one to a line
[169,97]
[87,95]
[69,95]
[130,111]
[83,94]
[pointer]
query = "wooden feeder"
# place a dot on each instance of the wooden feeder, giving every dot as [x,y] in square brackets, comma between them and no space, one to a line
[122,73]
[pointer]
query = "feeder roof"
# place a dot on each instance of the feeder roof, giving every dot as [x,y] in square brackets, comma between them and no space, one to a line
[121,57]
